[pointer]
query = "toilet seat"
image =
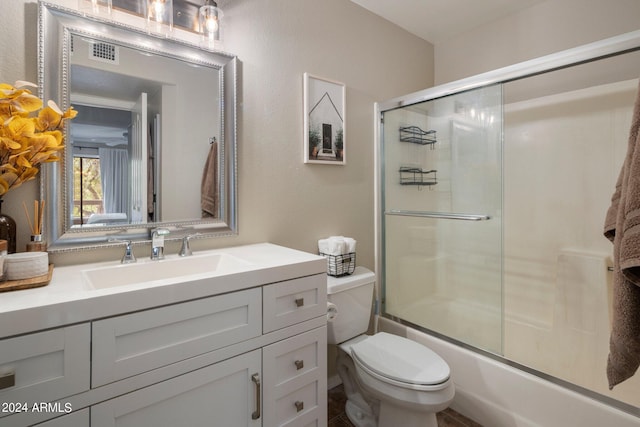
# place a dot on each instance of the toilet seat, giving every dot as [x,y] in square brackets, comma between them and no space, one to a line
[401,362]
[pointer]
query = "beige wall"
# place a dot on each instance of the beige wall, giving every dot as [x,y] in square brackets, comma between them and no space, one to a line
[281,199]
[545,28]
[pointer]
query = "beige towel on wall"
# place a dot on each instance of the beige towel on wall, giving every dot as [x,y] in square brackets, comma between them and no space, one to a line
[209,185]
[622,227]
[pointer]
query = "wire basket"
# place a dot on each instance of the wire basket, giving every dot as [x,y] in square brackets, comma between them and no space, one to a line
[340,265]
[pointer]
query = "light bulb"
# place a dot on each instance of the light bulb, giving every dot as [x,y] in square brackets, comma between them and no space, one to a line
[211,24]
[158,10]
[160,17]
[209,19]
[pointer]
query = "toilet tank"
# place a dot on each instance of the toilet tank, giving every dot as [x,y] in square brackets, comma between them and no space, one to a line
[353,297]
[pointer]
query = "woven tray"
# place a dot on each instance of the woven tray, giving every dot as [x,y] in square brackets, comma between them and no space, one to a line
[33,282]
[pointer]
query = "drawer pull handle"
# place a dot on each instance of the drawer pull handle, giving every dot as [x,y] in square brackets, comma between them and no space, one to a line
[256,379]
[299,405]
[299,302]
[299,364]
[7,380]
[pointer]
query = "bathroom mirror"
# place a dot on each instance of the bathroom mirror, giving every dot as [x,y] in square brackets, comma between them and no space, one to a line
[154,143]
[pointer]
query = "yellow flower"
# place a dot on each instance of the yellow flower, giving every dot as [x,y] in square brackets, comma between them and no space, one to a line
[27,141]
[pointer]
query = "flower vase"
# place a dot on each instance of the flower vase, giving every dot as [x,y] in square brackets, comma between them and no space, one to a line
[8,230]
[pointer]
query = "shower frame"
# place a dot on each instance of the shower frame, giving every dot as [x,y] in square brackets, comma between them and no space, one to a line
[610,47]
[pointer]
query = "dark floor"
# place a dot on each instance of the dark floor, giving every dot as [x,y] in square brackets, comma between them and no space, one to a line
[338,418]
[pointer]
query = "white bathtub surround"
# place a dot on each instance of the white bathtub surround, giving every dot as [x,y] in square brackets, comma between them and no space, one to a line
[556,282]
[497,395]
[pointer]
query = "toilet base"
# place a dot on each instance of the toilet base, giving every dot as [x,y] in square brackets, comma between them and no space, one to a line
[391,415]
[359,410]
[360,417]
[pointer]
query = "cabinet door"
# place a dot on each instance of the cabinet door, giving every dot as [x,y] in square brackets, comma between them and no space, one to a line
[222,394]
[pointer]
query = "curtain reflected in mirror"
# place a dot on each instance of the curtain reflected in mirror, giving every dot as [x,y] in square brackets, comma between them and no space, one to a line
[114,168]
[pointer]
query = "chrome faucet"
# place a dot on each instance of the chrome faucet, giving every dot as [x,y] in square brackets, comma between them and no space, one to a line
[185,250]
[128,256]
[157,243]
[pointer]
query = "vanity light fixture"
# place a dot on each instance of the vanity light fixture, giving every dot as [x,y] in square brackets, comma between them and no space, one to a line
[160,17]
[95,7]
[209,19]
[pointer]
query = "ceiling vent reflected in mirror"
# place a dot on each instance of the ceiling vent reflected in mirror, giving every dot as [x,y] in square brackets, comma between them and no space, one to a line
[104,52]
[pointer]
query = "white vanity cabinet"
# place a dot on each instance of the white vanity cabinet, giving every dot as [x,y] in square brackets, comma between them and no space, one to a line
[243,349]
[280,382]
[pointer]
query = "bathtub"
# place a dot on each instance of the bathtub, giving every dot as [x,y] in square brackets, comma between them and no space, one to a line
[496,394]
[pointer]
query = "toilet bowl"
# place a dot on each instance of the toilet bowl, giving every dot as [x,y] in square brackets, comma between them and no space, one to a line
[389,380]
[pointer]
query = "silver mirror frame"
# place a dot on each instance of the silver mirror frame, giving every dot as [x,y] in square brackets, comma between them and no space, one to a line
[55,24]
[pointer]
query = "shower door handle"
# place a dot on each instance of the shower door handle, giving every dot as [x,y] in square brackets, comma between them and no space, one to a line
[439,215]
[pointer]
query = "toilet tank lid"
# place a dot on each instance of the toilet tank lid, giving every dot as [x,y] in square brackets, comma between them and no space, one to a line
[360,276]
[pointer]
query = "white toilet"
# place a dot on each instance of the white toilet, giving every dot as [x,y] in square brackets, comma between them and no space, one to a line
[389,380]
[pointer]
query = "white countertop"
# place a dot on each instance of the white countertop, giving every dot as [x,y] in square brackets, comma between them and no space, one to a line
[69,299]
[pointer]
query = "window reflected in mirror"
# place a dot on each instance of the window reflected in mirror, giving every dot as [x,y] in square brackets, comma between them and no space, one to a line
[87,188]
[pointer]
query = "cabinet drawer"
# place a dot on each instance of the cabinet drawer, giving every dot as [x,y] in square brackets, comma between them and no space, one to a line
[127,345]
[302,407]
[45,366]
[294,301]
[294,372]
[294,357]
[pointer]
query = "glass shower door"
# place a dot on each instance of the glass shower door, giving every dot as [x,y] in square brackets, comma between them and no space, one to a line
[441,190]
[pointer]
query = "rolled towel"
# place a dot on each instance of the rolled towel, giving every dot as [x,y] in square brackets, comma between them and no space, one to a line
[351,244]
[337,245]
[323,246]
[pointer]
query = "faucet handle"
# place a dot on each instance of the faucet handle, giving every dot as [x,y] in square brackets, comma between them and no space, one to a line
[185,250]
[128,256]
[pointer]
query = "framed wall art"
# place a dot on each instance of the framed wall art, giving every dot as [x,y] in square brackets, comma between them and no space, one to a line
[324,119]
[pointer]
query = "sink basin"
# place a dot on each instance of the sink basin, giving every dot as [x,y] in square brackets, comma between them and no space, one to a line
[167,270]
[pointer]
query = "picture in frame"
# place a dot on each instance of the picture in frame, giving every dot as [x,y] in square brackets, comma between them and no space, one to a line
[324,119]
